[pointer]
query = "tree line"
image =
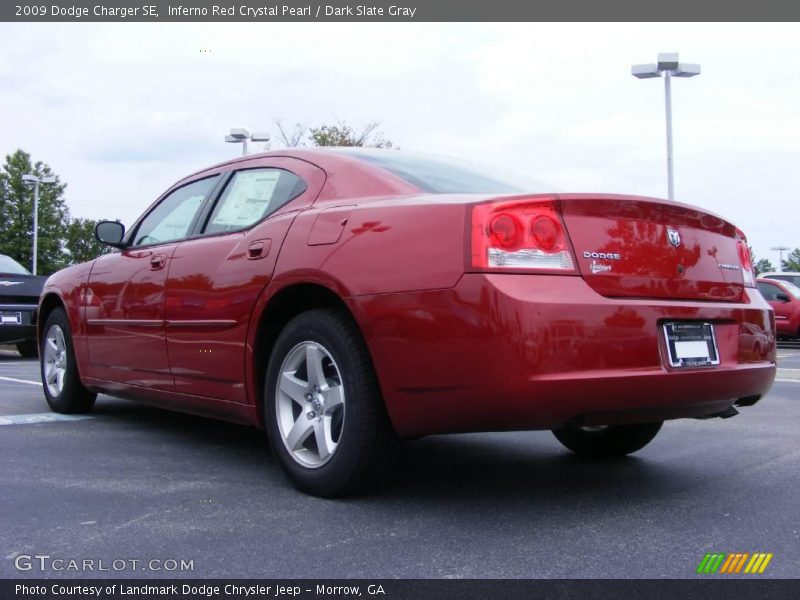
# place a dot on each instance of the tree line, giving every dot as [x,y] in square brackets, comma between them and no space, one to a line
[790,263]
[63,239]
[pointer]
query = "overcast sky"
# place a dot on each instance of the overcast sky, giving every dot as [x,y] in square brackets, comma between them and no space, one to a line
[121,111]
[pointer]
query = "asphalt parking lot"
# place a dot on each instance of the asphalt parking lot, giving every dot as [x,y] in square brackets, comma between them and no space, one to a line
[138,483]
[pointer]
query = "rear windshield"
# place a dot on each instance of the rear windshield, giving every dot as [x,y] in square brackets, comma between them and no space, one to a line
[439,175]
[10,266]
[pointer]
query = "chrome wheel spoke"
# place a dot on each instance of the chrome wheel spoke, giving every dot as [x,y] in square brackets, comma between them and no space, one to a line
[60,345]
[334,397]
[323,437]
[316,374]
[293,387]
[299,433]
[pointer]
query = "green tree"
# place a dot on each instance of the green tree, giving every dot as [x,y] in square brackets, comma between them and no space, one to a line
[336,134]
[80,242]
[16,214]
[792,262]
[763,266]
[341,134]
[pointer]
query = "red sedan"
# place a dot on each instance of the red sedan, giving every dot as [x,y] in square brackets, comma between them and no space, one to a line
[784,297]
[346,298]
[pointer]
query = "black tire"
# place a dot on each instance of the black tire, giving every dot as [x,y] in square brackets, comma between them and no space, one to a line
[366,439]
[28,349]
[608,442]
[74,397]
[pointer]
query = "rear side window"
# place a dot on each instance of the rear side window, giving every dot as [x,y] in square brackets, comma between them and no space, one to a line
[250,196]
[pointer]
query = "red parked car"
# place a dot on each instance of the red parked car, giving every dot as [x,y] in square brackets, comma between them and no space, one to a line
[346,298]
[784,297]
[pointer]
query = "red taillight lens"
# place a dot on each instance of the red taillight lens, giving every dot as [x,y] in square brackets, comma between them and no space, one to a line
[547,234]
[504,231]
[520,234]
[744,256]
[746,261]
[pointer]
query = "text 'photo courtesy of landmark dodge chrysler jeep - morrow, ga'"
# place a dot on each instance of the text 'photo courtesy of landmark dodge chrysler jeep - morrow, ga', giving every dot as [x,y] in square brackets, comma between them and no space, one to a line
[344,299]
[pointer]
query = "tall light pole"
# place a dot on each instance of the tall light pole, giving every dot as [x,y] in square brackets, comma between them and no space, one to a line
[668,65]
[780,250]
[30,179]
[239,135]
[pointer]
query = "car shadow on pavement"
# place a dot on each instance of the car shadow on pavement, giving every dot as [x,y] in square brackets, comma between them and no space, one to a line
[466,469]
[527,466]
[9,354]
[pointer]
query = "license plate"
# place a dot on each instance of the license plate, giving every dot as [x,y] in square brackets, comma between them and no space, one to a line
[691,344]
[11,318]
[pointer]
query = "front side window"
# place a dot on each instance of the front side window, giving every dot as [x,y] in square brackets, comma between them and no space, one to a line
[769,291]
[172,218]
[250,196]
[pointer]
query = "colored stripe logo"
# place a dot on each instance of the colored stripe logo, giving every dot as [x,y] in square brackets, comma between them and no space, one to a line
[735,563]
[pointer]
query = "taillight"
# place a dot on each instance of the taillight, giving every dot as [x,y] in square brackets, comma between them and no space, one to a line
[747,264]
[520,234]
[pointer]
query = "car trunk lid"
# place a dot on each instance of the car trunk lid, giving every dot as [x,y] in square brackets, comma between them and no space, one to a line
[634,247]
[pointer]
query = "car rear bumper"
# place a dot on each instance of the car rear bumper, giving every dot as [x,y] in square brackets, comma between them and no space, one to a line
[17,333]
[500,352]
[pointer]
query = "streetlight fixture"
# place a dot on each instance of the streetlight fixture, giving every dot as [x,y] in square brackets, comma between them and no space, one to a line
[780,250]
[32,180]
[239,135]
[668,65]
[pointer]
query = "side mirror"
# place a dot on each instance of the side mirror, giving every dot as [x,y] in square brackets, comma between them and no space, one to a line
[110,233]
[781,297]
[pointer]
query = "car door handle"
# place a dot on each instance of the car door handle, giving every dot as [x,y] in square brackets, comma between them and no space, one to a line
[259,249]
[158,261]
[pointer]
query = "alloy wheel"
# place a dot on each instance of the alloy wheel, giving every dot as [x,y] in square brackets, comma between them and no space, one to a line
[55,360]
[310,404]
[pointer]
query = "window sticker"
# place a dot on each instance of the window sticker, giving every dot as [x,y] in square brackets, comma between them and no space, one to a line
[247,200]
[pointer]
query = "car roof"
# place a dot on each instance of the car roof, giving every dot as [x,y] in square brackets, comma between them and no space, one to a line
[323,157]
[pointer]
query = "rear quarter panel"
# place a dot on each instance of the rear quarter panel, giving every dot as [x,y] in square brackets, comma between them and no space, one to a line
[388,245]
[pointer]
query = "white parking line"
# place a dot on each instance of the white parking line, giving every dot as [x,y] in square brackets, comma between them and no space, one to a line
[787,380]
[15,380]
[39,418]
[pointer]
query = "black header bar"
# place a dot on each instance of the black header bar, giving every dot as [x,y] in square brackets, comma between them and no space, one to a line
[393,589]
[265,11]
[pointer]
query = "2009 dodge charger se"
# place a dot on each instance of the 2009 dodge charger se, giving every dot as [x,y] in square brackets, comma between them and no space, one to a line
[346,298]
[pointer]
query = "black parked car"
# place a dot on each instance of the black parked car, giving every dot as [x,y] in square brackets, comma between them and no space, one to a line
[19,299]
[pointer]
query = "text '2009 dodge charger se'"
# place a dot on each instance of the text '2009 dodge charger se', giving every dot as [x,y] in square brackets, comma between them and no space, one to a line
[344,299]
